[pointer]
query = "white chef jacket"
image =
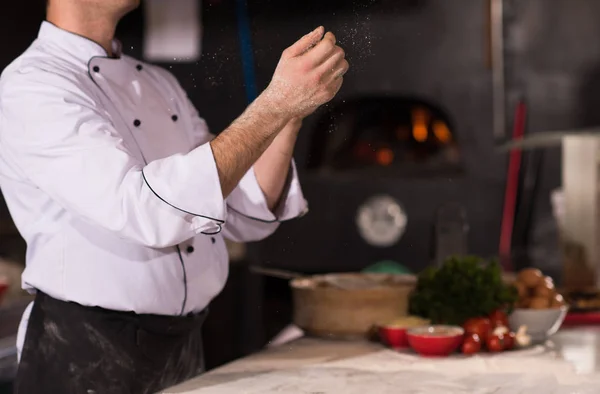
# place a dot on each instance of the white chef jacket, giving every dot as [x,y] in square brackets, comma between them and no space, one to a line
[107,171]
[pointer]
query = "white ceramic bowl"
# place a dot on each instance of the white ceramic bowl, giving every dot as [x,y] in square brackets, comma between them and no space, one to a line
[541,323]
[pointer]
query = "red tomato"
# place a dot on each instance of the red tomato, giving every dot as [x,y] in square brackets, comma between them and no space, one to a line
[478,325]
[498,318]
[495,343]
[471,344]
[509,341]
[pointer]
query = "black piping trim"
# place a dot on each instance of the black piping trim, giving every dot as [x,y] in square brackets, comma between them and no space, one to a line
[215,233]
[219,221]
[288,181]
[185,285]
[262,220]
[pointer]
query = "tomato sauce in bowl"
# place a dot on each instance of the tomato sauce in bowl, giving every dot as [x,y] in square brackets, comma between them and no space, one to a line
[393,334]
[437,341]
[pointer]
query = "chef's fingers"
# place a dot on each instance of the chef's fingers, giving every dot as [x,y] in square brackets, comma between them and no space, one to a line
[305,43]
[323,50]
[336,86]
[338,73]
[341,70]
[336,65]
[332,37]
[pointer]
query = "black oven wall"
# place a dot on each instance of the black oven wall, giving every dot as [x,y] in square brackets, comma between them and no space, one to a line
[432,50]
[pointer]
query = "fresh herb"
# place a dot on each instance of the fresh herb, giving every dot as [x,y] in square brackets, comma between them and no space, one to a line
[462,288]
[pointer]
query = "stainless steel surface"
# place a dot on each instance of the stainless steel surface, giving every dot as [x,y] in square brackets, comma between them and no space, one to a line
[275,273]
[581,222]
[580,180]
[499,89]
[547,139]
[451,232]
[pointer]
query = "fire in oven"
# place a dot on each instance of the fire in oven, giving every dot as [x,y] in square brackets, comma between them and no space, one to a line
[376,172]
[384,135]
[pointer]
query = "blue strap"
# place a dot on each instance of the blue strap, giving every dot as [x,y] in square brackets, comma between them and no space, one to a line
[245,36]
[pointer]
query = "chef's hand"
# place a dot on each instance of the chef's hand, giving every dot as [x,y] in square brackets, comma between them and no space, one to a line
[309,74]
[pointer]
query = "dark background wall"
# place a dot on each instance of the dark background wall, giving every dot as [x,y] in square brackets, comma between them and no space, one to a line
[431,49]
[553,62]
[436,50]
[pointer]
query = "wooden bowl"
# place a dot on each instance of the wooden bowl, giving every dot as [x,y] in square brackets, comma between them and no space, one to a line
[347,306]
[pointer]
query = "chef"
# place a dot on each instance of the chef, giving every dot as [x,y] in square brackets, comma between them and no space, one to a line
[125,198]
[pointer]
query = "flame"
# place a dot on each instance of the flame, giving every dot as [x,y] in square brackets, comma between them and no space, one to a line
[441,131]
[419,123]
[385,156]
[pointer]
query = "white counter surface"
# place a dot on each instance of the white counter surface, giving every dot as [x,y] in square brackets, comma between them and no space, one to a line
[568,364]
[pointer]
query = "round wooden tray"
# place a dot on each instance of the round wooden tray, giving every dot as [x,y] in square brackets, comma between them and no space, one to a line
[347,306]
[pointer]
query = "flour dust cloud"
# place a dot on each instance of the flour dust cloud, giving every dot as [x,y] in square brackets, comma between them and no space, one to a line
[356,34]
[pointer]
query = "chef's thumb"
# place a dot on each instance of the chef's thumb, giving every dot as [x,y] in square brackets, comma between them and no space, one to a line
[306,42]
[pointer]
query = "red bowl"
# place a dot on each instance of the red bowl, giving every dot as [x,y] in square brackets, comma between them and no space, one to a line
[393,337]
[435,341]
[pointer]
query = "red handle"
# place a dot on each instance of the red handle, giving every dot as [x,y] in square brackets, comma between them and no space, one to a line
[512,184]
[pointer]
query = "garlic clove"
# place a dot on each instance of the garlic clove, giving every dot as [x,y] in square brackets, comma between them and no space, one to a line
[522,338]
[500,330]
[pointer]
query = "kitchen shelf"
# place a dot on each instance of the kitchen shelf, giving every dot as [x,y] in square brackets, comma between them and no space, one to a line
[546,139]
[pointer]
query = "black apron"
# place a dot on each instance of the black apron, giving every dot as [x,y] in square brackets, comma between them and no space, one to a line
[72,349]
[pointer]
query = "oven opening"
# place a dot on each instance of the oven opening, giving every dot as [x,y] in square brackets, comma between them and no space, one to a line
[395,136]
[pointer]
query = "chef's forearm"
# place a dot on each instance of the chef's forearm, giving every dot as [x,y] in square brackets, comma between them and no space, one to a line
[273,166]
[239,146]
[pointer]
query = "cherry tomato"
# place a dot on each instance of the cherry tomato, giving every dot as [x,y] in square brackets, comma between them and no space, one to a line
[498,318]
[471,344]
[509,341]
[478,325]
[495,343]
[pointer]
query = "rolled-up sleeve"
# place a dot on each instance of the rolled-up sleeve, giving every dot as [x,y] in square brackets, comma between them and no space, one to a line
[54,135]
[249,217]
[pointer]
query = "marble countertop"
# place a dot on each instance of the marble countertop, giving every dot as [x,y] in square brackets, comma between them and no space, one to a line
[581,347]
[574,348]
